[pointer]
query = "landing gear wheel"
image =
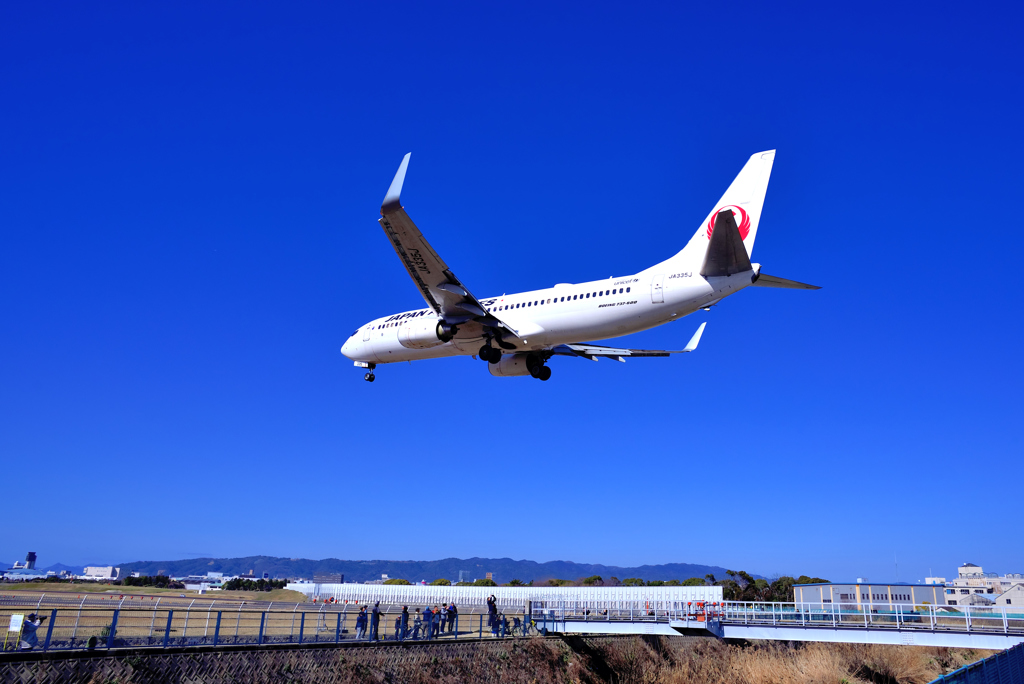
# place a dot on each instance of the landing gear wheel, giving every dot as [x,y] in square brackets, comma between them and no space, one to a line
[485,353]
[495,356]
[369,377]
[544,373]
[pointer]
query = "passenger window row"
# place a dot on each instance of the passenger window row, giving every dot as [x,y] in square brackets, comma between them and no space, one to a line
[569,298]
[537,302]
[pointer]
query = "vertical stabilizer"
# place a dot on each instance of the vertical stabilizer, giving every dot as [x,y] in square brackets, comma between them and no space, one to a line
[744,199]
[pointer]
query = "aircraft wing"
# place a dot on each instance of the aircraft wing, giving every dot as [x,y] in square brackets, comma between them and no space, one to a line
[443,292]
[596,351]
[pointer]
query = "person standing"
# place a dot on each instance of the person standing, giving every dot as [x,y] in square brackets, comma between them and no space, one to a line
[428,622]
[29,639]
[375,622]
[444,619]
[416,628]
[405,624]
[437,621]
[452,614]
[361,623]
[492,609]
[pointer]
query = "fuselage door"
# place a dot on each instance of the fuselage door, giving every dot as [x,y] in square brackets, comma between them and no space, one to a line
[366,333]
[658,289]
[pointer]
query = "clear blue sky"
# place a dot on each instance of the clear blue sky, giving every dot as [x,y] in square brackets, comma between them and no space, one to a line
[188,200]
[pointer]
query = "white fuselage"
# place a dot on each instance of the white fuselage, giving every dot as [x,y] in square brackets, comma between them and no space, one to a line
[563,314]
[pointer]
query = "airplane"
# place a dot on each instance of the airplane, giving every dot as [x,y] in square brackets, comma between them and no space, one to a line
[517,334]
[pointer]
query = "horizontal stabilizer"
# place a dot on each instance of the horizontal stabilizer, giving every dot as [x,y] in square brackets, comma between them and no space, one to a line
[765,280]
[595,351]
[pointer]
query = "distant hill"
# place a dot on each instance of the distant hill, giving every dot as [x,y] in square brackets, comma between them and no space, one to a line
[503,569]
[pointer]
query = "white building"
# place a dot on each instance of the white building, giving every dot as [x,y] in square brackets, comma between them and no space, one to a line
[972,580]
[871,595]
[108,572]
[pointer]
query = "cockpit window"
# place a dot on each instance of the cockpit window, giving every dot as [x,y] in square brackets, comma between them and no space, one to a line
[355,333]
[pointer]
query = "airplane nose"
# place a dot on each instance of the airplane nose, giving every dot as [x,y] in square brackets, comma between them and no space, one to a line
[348,348]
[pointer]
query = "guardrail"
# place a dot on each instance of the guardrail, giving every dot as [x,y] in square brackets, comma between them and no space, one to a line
[212,625]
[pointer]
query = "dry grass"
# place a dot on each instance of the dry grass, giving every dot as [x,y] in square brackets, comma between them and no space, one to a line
[571,660]
[677,661]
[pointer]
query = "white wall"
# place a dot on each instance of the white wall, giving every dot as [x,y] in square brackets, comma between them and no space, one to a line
[637,597]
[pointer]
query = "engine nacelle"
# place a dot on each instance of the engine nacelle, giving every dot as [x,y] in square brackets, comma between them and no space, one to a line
[509,366]
[420,333]
[445,331]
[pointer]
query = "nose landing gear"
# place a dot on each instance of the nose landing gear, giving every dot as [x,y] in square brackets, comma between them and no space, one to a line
[369,377]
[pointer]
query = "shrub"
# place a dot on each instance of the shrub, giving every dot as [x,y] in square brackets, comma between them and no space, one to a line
[396,580]
[441,582]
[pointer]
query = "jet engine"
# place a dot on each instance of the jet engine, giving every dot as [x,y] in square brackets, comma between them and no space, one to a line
[421,333]
[445,331]
[510,365]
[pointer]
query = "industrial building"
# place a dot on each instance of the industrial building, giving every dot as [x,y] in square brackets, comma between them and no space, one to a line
[871,595]
[97,573]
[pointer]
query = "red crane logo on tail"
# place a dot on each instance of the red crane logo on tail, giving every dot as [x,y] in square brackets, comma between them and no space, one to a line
[741,216]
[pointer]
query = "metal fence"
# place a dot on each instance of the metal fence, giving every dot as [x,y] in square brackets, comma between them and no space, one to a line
[213,625]
[925,616]
[1006,667]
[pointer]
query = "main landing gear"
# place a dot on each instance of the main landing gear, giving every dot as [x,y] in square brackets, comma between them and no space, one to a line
[489,353]
[537,368]
[370,377]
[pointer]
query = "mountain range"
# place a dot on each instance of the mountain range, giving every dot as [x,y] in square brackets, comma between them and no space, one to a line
[503,569]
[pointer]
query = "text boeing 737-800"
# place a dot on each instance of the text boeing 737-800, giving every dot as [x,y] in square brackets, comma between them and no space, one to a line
[518,333]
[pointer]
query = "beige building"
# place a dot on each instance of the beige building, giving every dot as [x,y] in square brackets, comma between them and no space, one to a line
[101,573]
[871,595]
[1012,597]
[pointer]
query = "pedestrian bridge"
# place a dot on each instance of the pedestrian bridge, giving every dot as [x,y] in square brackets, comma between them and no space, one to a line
[923,625]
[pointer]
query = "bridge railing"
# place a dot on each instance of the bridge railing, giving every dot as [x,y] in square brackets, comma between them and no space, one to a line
[986,619]
[82,627]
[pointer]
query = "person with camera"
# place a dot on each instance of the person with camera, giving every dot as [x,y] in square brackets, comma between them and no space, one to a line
[29,638]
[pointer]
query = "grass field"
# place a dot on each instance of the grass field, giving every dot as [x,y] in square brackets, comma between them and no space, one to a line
[286,595]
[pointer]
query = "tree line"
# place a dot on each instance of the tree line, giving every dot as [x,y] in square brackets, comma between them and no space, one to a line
[738,585]
[242,584]
[157,581]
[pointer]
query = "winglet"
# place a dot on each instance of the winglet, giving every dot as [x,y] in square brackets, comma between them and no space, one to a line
[695,340]
[393,200]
